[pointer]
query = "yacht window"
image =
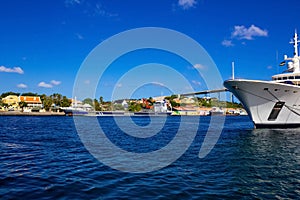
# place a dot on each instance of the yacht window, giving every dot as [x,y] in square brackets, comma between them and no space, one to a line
[289,82]
[275,111]
[297,77]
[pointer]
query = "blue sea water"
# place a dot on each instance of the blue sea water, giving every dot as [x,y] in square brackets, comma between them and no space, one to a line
[44,158]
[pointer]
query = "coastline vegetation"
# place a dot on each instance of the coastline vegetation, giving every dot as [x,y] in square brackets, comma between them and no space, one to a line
[56,100]
[48,102]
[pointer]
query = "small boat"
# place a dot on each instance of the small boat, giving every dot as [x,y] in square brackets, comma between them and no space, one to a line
[151,113]
[160,108]
[215,111]
[70,111]
[107,113]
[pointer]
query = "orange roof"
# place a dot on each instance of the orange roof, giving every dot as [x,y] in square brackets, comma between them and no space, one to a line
[29,99]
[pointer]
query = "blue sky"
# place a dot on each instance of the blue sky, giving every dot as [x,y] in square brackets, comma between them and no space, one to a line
[43,43]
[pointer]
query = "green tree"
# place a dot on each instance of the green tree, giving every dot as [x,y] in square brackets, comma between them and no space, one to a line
[107,106]
[65,102]
[118,107]
[174,103]
[205,103]
[134,107]
[5,94]
[2,104]
[47,103]
[30,94]
[97,106]
[88,101]
[57,99]
[43,97]
[22,104]
[101,100]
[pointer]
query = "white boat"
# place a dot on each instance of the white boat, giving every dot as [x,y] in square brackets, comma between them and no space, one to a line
[159,108]
[274,103]
[162,107]
[70,111]
[216,111]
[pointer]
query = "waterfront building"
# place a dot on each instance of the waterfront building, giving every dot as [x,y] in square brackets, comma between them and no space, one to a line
[31,101]
[12,101]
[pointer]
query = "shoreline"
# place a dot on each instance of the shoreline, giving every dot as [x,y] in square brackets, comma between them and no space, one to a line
[19,113]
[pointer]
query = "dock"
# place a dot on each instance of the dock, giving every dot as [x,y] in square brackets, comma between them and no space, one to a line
[19,113]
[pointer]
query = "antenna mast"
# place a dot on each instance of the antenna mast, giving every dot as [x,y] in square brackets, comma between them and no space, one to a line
[232,66]
[295,42]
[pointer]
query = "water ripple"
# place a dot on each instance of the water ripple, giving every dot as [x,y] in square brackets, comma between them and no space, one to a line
[43,158]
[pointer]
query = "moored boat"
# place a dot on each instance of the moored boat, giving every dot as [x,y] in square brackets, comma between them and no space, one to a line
[70,111]
[274,103]
[215,111]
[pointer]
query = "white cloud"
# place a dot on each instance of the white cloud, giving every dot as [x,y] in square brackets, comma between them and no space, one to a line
[227,43]
[196,82]
[242,32]
[49,85]
[11,70]
[186,4]
[79,36]
[45,85]
[22,85]
[119,85]
[199,66]
[54,82]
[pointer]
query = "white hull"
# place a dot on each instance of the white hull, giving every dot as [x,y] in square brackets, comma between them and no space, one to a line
[260,97]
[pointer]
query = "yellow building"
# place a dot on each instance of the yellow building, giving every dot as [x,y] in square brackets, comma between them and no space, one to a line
[11,101]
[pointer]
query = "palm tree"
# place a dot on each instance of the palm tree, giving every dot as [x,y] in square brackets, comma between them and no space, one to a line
[47,103]
[57,99]
[101,100]
[65,102]
[22,104]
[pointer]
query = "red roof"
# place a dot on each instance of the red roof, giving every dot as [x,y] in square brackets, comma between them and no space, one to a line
[29,99]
